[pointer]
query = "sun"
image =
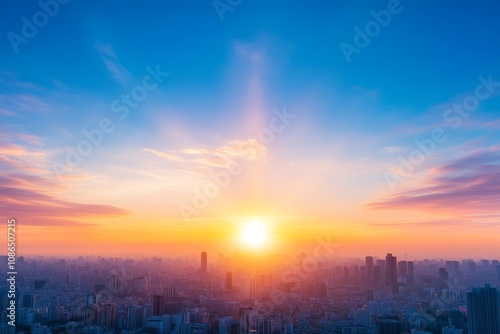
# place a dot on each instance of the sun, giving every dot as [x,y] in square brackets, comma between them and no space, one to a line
[254,233]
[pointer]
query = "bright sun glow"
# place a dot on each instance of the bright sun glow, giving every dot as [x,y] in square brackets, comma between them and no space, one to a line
[254,233]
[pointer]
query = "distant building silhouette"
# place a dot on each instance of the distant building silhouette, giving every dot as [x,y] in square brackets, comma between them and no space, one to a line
[410,276]
[106,316]
[158,304]
[402,268]
[265,326]
[381,268]
[391,273]
[229,280]
[249,288]
[369,268]
[443,278]
[483,311]
[498,276]
[389,326]
[29,300]
[204,262]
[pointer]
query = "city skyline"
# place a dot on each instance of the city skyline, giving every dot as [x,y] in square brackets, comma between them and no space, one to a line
[300,295]
[250,167]
[227,128]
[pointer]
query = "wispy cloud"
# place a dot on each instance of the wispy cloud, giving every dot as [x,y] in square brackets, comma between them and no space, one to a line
[465,186]
[473,222]
[28,191]
[248,50]
[5,112]
[110,61]
[19,103]
[21,158]
[392,149]
[218,157]
[168,156]
[27,196]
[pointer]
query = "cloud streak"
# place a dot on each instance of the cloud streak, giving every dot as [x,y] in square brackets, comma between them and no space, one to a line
[113,66]
[27,194]
[464,186]
[218,157]
[24,197]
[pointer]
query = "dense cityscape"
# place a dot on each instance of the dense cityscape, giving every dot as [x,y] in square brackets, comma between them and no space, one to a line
[219,294]
[250,167]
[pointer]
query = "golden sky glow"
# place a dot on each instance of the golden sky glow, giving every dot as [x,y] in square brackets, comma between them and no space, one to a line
[251,137]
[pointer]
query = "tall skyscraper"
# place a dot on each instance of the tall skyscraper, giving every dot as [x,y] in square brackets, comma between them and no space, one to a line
[29,300]
[391,273]
[229,280]
[498,276]
[483,311]
[410,277]
[369,268]
[247,319]
[402,268]
[106,316]
[158,304]
[381,265]
[377,274]
[169,292]
[471,266]
[249,288]
[265,326]
[443,278]
[389,326]
[204,262]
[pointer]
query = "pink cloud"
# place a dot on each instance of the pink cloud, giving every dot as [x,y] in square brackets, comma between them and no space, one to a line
[463,186]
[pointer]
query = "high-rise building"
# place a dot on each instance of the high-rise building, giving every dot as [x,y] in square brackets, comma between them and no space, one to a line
[453,268]
[204,262]
[234,327]
[498,275]
[381,265]
[483,311]
[247,319]
[106,316]
[249,288]
[158,305]
[369,267]
[471,266]
[169,292]
[345,275]
[410,277]
[402,268]
[161,324]
[265,326]
[377,273]
[389,326]
[29,300]
[443,278]
[391,272]
[229,280]
[451,330]
[133,317]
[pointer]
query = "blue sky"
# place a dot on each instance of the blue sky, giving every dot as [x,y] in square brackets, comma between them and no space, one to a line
[354,119]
